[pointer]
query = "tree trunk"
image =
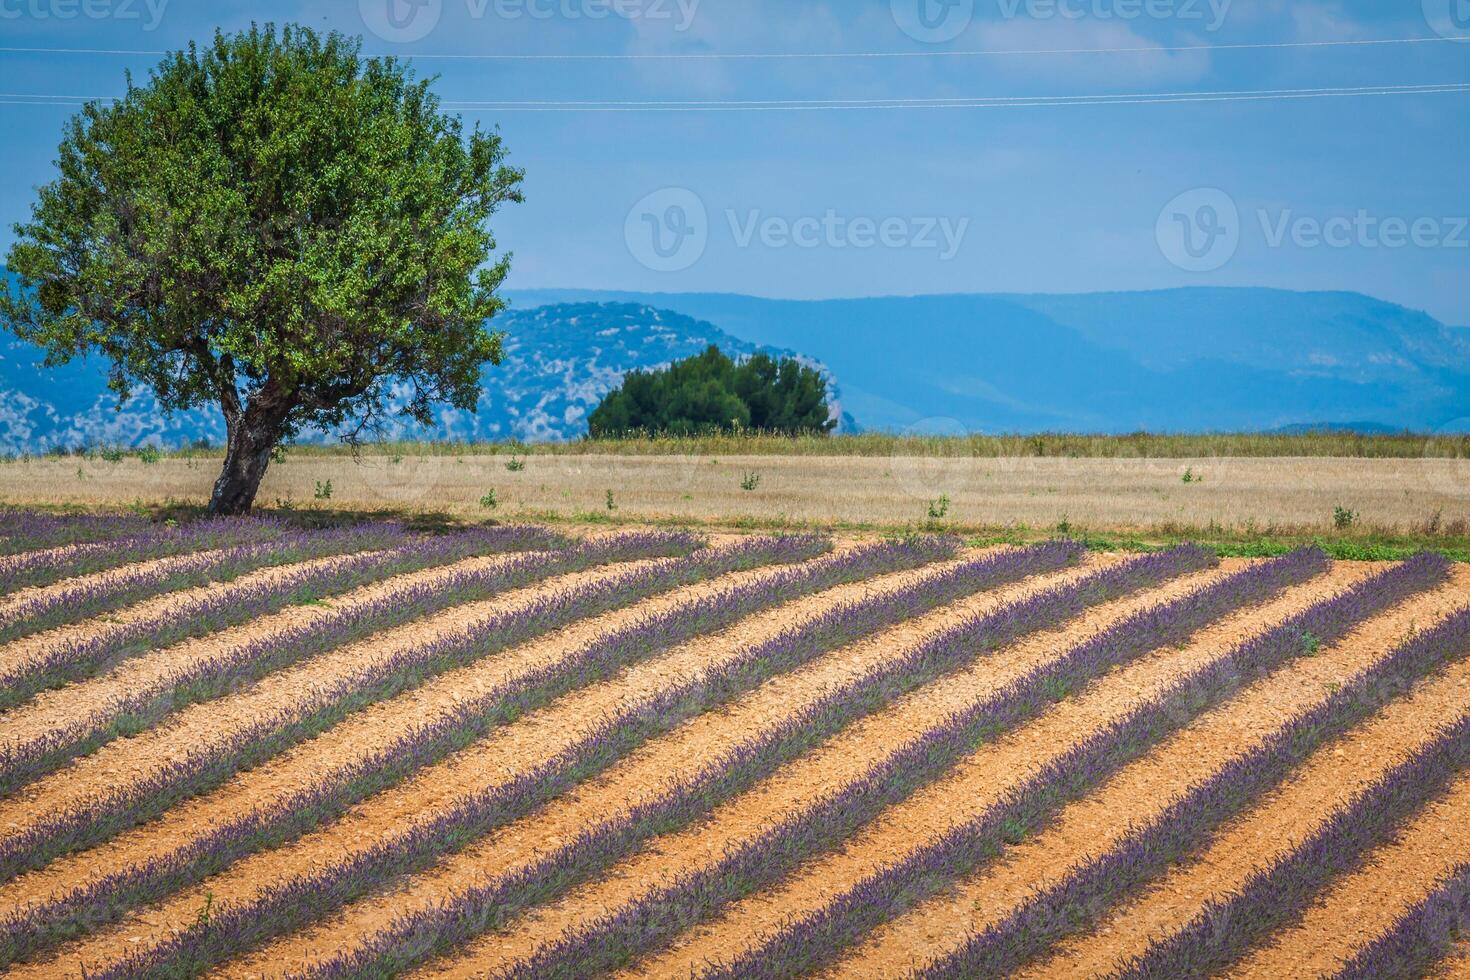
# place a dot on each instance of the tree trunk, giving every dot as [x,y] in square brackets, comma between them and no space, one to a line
[251,439]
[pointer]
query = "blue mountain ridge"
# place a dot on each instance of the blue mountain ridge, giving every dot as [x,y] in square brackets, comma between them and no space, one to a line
[1196,359]
[560,360]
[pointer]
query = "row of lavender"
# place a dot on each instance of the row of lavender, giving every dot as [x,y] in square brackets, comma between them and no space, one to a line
[24,530]
[651,921]
[235,666]
[208,767]
[67,603]
[1423,936]
[1370,814]
[235,929]
[813,940]
[88,653]
[1274,897]
[1092,888]
[29,568]
[437,930]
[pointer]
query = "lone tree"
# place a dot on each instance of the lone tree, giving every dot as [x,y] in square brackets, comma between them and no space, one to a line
[276,225]
[709,392]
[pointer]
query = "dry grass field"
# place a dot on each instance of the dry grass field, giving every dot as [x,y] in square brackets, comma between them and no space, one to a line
[244,749]
[1295,494]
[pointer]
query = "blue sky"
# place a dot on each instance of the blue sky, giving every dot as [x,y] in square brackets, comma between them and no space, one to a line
[1365,194]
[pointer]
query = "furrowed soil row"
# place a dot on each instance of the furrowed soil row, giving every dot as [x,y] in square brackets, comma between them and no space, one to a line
[86,655]
[794,735]
[650,769]
[142,697]
[1025,904]
[15,654]
[445,698]
[43,567]
[1275,895]
[927,763]
[1019,787]
[1424,937]
[34,610]
[195,755]
[21,604]
[83,701]
[1367,903]
[78,708]
[976,784]
[475,816]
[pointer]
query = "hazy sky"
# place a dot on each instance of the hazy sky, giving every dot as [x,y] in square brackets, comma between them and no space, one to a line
[1366,193]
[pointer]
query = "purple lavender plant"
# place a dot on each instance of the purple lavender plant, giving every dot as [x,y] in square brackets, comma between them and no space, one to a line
[22,531]
[1092,888]
[224,673]
[471,913]
[85,656]
[83,601]
[1422,937]
[131,804]
[1275,896]
[305,900]
[157,541]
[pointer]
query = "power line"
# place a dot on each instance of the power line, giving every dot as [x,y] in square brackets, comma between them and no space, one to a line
[1035,102]
[927,100]
[827,55]
[967,102]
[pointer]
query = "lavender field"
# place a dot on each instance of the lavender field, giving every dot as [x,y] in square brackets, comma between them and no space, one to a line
[246,748]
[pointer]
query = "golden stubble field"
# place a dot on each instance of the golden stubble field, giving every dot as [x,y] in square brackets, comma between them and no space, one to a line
[500,752]
[1400,495]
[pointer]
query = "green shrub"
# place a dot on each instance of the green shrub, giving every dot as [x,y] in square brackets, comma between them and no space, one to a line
[711,393]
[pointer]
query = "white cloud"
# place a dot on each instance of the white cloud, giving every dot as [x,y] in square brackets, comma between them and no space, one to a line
[733,28]
[1111,71]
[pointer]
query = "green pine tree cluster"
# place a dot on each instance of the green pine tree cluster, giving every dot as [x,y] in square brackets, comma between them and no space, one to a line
[710,393]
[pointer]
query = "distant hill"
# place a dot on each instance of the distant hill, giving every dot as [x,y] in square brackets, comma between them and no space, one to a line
[1173,360]
[560,360]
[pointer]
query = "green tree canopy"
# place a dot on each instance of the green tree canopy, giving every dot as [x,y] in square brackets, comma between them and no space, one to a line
[712,393]
[275,225]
